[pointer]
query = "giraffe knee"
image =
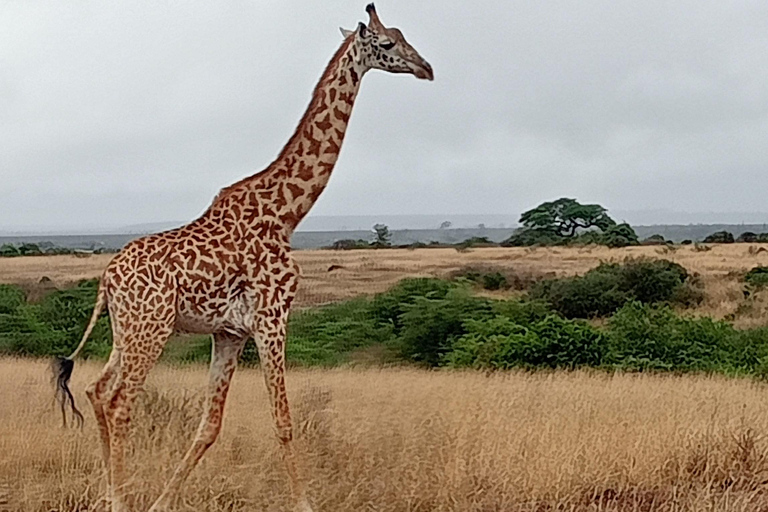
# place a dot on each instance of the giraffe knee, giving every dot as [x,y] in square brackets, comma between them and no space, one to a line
[91,393]
[284,434]
[210,435]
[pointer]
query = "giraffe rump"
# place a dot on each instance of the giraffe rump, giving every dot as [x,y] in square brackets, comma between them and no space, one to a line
[62,371]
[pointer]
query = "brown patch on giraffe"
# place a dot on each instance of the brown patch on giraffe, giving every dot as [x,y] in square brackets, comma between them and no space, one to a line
[295,190]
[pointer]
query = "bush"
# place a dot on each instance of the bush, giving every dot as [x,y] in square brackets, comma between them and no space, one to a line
[620,235]
[757,277]
[56,324]
[325,335]
[429,325]
[387,307]
[477,241]
[502,343]
[604,289]
[529,237]
[719,237]
[11,298]
[643,336]
[348,244]
[654,240]
[747,237]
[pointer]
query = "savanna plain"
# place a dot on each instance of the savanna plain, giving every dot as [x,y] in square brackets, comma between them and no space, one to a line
[394,438]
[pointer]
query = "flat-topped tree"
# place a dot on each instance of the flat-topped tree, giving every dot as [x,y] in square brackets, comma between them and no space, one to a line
[230,273]
[564,216]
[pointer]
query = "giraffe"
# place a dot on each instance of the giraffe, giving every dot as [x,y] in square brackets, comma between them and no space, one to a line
[229,273]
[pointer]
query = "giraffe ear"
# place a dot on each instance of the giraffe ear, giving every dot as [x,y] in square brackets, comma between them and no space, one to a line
[346,33]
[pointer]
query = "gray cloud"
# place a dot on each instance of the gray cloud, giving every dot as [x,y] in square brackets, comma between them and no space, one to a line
[115,113]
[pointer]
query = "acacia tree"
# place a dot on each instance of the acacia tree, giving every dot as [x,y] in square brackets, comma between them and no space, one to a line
[558,222]
[382,236]
[564,216]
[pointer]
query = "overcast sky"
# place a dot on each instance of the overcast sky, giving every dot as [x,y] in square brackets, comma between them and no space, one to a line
[122,112]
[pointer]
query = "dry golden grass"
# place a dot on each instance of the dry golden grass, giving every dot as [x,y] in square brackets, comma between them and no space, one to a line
[369,271]
[409,440]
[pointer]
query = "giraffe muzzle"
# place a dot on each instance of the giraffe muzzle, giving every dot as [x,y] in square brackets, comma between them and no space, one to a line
[424,71]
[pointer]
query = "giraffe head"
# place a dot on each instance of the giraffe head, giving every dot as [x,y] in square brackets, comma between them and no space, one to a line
[379,47]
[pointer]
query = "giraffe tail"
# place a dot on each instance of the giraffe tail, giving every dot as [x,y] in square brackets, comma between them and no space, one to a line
[62,366]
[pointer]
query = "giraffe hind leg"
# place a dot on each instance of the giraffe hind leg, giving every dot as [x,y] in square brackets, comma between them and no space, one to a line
[97,393]
[226,349]
[141,346]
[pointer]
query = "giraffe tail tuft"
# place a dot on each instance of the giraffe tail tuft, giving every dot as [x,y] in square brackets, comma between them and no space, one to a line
[62,366]
[62,371]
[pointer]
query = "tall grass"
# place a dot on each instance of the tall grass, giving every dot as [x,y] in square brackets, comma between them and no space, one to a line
[408,440]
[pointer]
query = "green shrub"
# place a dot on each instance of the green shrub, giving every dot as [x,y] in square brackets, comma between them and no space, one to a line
[429,325]
[620,235]
[604,289]
[720,237]
[387,307]
[747,237]
[327,334]
[11,298]
[55,325]
[529,237]
[644,336]
[552,342]
[757,277]
[9,251]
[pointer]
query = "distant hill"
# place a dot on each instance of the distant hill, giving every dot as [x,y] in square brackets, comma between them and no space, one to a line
[318,239]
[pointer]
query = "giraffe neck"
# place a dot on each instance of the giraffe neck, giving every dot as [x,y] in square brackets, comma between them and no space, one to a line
[290,186]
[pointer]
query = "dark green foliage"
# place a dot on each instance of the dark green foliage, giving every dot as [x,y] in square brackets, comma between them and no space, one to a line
[686,242]
[566,221]
[747,237]
[719,237]
[654,240]
[502,343]
[55,325]
[325,335]
[529,237]
[564,216]
[757,277]
[11,298]
[388,306]
[604,289]
[619,235]
[429,325]
[28,249]
[382,236]
[494,281]
[652,337]
[9,250]
[349,244]
[477,241]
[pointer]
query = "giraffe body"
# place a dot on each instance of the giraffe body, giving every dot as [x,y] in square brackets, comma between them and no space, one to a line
[230,273]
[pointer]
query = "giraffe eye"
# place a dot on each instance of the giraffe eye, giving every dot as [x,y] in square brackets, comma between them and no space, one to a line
[388,45]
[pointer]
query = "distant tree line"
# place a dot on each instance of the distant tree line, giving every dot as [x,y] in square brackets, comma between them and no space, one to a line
[43,248]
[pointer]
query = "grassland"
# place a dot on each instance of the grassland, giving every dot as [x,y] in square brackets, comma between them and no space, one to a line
[408,440]
[402,439]
[336,275]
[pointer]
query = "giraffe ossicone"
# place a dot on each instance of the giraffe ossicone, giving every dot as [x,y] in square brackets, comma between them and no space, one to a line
[230,273]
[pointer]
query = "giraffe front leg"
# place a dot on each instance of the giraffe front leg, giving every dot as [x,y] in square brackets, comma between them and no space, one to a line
[226,349]
[270,340]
